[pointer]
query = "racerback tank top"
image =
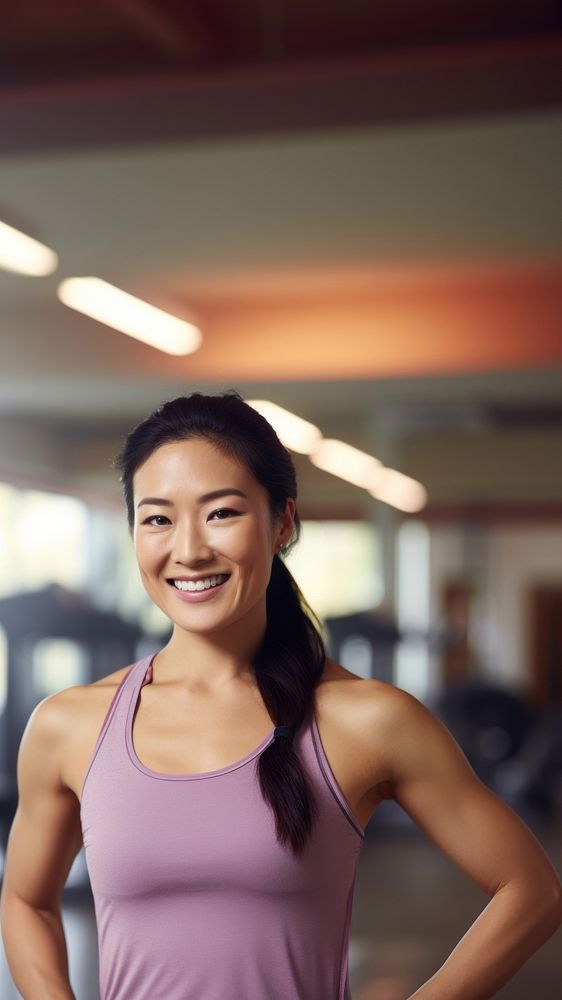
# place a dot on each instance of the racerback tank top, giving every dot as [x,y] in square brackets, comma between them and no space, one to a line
[194,897]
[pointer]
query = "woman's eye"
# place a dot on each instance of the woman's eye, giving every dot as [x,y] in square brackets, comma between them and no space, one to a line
[224,510]
[154,516]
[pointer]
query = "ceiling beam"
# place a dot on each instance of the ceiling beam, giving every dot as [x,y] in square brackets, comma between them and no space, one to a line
[447,82]
[190,39]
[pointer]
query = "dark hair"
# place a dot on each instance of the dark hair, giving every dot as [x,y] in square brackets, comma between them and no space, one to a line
[290,661]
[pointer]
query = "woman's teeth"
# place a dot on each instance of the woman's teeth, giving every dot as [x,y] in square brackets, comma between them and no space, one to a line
[206,584]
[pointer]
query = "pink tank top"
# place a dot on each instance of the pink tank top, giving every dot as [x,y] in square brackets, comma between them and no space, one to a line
[194,897]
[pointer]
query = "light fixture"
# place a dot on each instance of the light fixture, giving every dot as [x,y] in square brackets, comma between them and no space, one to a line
[343,460]
[124,312]
[399,491]
[347,462]
[24,255]
[294,432]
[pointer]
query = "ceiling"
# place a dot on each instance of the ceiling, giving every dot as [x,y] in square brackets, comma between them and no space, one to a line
[358,204]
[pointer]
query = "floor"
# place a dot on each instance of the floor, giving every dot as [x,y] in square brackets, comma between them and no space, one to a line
[411,907]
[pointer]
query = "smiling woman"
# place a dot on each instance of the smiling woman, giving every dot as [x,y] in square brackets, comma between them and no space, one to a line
[221,854]
[211,502]
[222,791]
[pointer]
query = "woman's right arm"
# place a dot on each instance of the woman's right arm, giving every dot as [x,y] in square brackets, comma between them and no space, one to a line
[44,839]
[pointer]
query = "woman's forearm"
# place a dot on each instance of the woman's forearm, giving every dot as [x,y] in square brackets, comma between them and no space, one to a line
[514,924]
[36,952]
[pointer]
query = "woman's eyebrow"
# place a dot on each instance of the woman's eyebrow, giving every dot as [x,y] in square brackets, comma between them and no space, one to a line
[214,495]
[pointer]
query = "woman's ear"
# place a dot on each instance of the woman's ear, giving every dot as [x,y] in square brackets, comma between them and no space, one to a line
[285,524]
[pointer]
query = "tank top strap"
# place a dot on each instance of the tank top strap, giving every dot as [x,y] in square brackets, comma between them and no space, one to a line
[111,743]
[311,749]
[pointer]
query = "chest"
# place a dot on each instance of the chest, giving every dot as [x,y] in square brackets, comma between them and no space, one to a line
[186,736]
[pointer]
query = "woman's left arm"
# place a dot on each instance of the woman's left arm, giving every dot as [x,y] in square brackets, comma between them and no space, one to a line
[436,786]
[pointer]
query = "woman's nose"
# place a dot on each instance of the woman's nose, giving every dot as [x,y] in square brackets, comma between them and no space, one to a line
[190,542]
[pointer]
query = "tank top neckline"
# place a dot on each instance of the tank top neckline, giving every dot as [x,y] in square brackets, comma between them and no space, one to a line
[142,673]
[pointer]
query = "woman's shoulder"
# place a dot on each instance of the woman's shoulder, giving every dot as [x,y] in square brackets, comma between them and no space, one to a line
[77,704]
[370,691]
[372,688]
[386,732]
[80,710]
[375,710]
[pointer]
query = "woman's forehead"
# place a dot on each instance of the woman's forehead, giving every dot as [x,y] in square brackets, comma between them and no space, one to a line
[193,466]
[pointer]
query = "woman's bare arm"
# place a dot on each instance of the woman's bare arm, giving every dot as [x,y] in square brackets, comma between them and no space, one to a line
[433,782]
[44,839]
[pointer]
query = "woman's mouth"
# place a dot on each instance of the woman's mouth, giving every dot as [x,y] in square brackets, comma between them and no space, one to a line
[200,590]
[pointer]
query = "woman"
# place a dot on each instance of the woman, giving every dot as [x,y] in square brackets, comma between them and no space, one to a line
[222,786]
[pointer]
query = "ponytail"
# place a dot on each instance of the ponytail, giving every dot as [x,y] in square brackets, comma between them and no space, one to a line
[288,666]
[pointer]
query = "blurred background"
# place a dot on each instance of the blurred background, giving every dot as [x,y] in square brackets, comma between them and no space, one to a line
[354,212]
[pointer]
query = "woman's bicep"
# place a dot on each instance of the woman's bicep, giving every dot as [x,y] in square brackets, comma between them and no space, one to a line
[45,835]
[434,783]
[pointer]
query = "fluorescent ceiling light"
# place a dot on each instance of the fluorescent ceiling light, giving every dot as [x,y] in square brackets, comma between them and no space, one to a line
[24,255]
[347,462]
[295,433]
[399,491]
[116,308]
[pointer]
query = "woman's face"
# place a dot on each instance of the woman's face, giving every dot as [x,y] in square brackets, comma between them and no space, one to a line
[193,536]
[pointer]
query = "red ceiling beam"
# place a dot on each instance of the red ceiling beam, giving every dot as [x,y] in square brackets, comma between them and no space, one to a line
[448,82]
[187,37]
